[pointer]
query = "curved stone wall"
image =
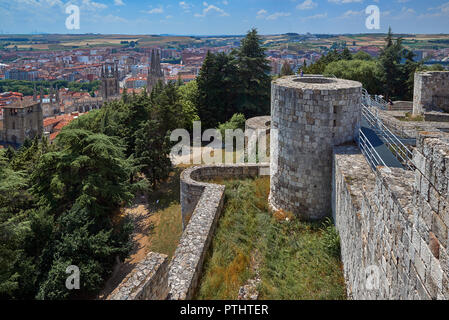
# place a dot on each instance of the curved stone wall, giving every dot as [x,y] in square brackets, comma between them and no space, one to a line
[147,281]
[258,123]
[193,185]
[202,202]
[309,115]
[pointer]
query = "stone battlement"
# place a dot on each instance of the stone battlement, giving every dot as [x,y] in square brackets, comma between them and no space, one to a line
[431,91]
[309,115]
[393,223]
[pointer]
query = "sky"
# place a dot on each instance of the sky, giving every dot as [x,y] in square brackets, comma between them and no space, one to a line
[223,17]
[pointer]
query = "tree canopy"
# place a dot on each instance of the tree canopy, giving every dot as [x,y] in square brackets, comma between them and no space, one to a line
[238,82]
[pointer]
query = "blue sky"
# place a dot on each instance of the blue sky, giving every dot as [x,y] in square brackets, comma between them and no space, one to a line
[212,17]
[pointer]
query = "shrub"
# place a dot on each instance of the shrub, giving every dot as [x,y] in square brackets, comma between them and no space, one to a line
[331,239]
[236,122]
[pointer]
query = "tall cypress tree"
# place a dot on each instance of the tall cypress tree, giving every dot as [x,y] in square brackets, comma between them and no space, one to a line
[217,89]
[254,79]
[286,70]
[206,107]
[396,75]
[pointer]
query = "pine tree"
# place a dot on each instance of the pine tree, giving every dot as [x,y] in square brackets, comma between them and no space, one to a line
[393,72]
[254,79]
[346,54]
[217,89]
[152,152]
[286,69]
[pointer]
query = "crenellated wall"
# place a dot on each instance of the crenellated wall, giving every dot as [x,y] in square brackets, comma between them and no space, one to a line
[393,224]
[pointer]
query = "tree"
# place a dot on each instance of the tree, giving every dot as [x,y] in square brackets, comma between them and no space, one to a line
[13,227]
[152,151]
[188,97]
[236,122]
[90,169]
[397,75]
[369,73]
[346,54]
[167,109]
[362,55]
[89,243]
[218,87]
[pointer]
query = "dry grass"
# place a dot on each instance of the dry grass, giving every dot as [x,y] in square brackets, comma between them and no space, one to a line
[409,117]
[167,230]
[298,259]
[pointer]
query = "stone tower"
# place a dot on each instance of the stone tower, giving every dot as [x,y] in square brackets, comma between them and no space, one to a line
[431,91]
[309,116]
[155,72]
[109,80]
[21,120]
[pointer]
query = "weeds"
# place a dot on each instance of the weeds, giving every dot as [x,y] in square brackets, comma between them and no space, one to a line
[299,260]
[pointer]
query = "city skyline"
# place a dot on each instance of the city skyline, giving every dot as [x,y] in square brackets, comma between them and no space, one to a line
[223,17]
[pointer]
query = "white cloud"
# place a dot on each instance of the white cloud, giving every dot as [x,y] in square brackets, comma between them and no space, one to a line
[118,3]
[211,8]
[92,6]
[306,5]
[156,10]
[345,1]
[276,15]
[185,6]
[316,16]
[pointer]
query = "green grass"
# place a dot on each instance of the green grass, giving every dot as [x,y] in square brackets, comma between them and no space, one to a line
[298,260]
[409,117]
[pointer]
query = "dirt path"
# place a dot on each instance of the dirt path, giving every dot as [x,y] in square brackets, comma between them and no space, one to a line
[157,227]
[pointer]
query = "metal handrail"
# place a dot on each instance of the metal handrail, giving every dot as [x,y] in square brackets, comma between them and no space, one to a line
[370,153]
[401,151]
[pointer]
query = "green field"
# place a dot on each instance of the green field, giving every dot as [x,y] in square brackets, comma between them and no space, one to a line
[291,41]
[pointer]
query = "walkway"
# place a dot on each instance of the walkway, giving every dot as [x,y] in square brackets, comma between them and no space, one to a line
[381,148]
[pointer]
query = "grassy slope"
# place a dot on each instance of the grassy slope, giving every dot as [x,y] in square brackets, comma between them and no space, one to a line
[297,261]
[167,214]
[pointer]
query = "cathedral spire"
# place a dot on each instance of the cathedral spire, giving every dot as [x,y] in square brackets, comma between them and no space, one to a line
[158,63]
[154,71]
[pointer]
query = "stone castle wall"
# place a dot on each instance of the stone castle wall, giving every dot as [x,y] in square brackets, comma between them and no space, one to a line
[410,129]
[431,91]
[310,116]
[393,224]
[206,199]
[201,202]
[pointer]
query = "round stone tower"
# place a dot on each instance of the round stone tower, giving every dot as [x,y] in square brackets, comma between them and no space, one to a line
[309,115]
